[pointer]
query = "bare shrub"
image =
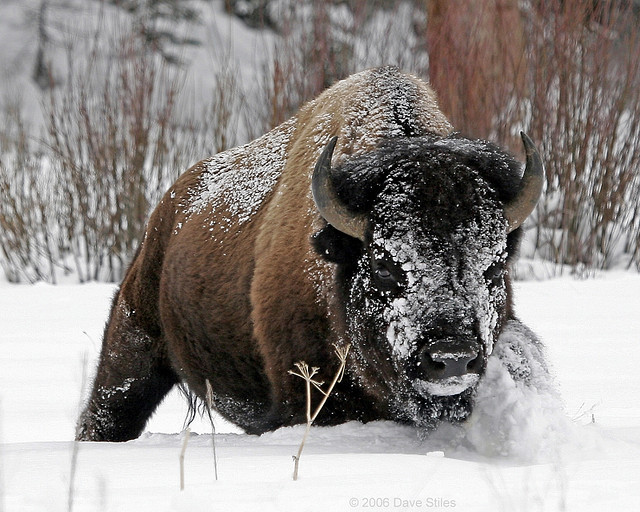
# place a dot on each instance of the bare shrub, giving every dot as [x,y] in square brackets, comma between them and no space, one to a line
[116,144]
[227,106]
[322,42]
[568,74]
[585,109]
[120,129]
[28,242]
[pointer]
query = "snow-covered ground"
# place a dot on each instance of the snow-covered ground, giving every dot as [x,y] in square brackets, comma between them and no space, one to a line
[592,331]
[586,459]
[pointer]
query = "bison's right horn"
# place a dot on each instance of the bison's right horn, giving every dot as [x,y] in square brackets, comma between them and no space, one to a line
[521,206]
[327,201]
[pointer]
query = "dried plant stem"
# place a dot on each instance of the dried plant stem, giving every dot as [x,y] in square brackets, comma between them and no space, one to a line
[2,509]
[76,443]
[306,374]
[213,428]
[187,433]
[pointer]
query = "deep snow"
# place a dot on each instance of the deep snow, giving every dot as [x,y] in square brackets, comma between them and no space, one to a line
[591,331]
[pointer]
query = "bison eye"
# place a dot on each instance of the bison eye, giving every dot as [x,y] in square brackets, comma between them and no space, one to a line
[383,276]
[494,274]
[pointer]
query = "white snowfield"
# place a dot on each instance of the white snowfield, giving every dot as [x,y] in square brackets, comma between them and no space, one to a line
[520,451]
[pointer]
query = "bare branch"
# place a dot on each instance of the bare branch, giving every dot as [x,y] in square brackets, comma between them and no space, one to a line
[341,353]
[187,433]
[213,428]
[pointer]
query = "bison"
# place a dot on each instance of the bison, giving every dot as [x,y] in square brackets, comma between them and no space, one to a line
[365,220]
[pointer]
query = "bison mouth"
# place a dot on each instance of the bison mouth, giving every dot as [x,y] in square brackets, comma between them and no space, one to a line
[425,407]
[446,387]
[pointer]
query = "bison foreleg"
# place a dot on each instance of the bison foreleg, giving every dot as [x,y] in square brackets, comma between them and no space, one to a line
[131,380]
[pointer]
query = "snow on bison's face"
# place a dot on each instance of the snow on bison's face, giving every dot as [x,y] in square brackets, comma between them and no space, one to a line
[423,231]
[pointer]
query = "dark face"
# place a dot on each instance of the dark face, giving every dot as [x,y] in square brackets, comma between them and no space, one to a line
[426,293]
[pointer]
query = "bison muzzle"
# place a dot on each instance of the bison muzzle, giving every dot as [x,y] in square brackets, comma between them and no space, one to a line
[365,220]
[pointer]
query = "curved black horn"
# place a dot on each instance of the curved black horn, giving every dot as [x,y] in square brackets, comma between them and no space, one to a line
[327,201]
[521,206]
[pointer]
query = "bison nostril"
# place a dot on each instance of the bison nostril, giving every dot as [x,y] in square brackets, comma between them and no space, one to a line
[475,364]
[431,363]
[442,365]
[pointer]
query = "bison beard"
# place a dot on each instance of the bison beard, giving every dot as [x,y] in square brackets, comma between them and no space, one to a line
[398,242]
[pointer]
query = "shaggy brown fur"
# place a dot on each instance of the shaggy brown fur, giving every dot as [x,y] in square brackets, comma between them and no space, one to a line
[234,292]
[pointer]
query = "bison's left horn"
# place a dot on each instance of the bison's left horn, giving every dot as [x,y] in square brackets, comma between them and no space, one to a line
[521,206]
[327,201]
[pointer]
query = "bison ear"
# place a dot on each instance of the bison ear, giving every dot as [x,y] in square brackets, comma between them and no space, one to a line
[336,246]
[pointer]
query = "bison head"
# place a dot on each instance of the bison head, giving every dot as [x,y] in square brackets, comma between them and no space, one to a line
[423,231]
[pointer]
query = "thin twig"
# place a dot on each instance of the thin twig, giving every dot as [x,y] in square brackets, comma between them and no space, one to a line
[306,374]
[187,433]
[76,443]
[1,463]
[213,428]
